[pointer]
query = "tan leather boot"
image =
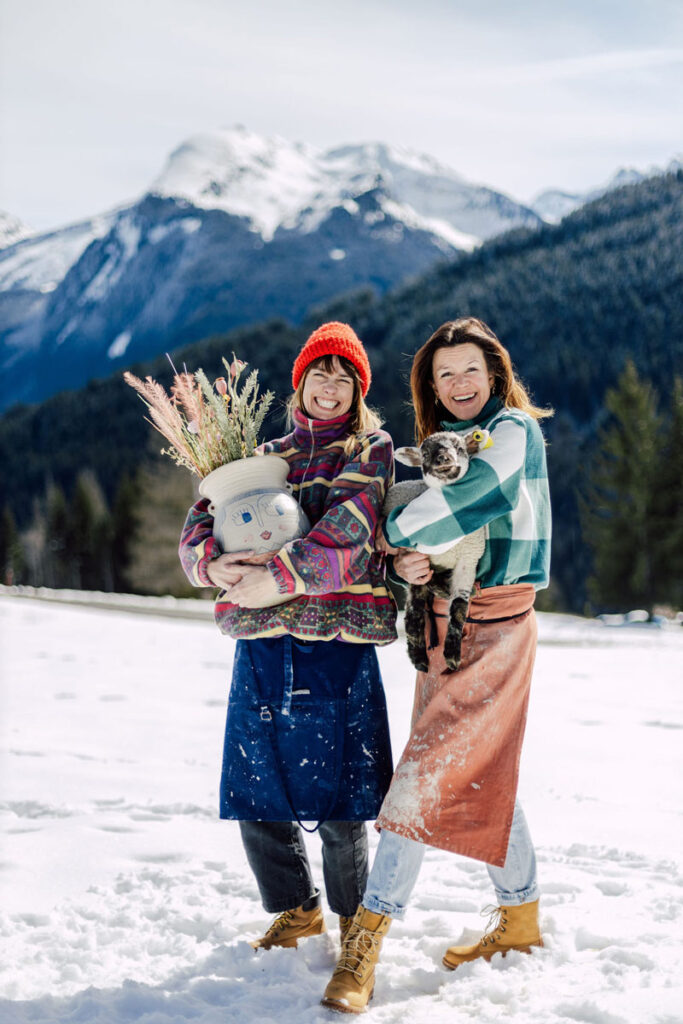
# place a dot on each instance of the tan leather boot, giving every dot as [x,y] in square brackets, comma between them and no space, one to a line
[290,926]
[352,984]
[508,928]
[344,925]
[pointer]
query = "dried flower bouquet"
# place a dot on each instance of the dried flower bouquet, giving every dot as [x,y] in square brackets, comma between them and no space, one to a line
[207,426]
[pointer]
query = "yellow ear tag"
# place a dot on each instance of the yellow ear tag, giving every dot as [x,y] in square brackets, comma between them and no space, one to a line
[482,435]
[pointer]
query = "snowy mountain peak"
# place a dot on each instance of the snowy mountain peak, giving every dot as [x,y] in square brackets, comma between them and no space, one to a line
[275,183]
[387,159]
[266,180]
[12,230]
[627,176]
[554,204]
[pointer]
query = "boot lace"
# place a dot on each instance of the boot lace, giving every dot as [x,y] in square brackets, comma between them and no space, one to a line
[360,946]
[495,924]
[280,923]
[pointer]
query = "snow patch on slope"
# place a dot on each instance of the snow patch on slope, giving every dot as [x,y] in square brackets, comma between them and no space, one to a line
[40,262]
[119,345]
[122,247]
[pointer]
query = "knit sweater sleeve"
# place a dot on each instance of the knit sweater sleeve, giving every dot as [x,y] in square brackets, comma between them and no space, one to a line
[438,518]
[198,546]
[337,550]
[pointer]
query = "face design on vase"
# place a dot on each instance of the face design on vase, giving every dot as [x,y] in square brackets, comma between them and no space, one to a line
[327,395]
[461,380]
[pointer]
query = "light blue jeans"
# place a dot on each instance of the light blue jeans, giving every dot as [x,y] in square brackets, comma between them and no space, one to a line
[398,860]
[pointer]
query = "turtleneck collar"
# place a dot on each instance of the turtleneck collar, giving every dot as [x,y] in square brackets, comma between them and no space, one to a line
[309,433]
[493,406]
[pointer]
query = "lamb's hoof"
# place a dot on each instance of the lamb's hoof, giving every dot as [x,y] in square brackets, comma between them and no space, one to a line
[452,665]
[421,663]
[452,655]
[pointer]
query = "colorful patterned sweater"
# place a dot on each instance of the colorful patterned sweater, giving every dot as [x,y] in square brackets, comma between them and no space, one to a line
[335,577]
[505,490]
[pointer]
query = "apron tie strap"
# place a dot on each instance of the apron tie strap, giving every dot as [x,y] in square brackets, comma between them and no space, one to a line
[433,631]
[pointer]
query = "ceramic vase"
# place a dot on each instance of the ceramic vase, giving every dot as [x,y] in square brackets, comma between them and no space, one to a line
[252,505]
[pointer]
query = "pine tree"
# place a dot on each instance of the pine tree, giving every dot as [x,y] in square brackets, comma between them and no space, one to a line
[34,543]
[124,522]
[56,560]
[164,495]
[12,560]
[88,535]
[619,507]
[669,507]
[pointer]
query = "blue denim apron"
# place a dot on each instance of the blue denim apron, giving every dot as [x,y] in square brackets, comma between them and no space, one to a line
[307,735]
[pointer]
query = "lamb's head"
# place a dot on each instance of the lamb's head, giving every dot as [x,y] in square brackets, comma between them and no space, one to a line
[444,458]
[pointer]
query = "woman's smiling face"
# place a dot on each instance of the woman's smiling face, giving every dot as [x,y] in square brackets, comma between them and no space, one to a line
[461,380]
[327,395]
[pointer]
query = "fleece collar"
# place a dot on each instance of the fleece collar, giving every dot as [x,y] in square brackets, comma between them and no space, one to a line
[493,406]
[310,433]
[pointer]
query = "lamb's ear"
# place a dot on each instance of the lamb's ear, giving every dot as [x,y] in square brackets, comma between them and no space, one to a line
[409,456]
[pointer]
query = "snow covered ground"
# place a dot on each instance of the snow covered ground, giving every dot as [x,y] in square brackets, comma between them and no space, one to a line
[125,899]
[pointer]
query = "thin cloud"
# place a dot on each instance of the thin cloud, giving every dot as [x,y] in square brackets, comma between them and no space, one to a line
[572,68]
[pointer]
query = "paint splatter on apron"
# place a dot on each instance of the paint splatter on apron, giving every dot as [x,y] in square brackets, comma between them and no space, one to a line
[456,782]
[306,734]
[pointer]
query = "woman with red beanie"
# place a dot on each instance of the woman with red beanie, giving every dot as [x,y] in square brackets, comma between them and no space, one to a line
[307,736]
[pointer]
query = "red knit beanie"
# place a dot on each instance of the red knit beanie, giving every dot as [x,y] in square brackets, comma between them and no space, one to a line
[334,339]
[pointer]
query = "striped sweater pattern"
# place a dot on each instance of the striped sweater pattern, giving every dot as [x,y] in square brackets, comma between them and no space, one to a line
[335,578]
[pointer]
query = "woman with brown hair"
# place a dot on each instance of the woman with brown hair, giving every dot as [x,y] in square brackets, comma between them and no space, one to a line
[456,783]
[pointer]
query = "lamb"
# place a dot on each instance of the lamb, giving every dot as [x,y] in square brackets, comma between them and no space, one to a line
[444,459]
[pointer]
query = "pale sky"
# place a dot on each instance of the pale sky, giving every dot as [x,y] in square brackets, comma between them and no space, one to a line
[94,94]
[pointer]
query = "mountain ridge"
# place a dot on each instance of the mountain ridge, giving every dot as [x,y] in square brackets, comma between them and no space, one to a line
[553,204]
[236,228]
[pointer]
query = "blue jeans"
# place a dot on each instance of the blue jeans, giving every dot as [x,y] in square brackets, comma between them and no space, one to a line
[398,860]
[277,856]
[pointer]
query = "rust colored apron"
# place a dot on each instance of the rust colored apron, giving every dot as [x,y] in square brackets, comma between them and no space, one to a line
[456,782]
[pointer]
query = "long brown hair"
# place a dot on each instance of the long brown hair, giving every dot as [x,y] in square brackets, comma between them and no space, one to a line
[363,420]
[506,386]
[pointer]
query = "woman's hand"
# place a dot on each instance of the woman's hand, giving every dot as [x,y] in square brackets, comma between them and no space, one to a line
[228,569]
[413,567]
[256,589]
[261,559]
[381,542]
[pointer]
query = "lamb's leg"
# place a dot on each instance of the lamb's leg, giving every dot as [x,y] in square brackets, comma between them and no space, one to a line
[416,607]
[462,582]
[453,642]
